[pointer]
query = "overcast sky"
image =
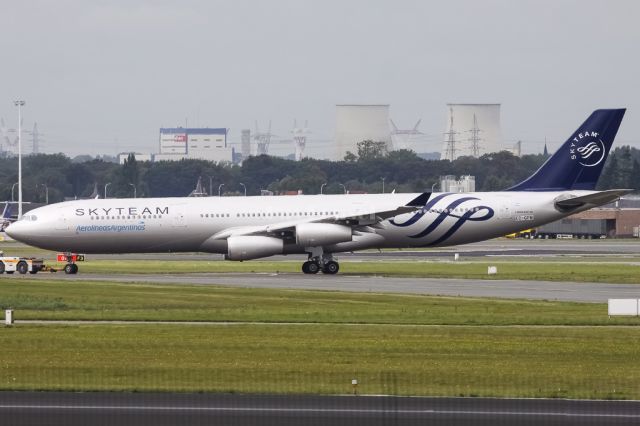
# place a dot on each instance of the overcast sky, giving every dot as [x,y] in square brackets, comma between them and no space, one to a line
[103,76]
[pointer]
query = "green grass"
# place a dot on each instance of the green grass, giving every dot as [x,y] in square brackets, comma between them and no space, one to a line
[467,347]
[544,271]
[89,300]
[466,361]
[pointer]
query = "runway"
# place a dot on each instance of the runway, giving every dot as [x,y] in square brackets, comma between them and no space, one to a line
[492,248]
[97,408]
[509,289]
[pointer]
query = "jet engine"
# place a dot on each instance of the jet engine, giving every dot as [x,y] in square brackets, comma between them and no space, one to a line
[321,234]
[248,247]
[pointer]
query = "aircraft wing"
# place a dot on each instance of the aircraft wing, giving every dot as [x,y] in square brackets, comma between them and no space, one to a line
[591,200]
[360,219]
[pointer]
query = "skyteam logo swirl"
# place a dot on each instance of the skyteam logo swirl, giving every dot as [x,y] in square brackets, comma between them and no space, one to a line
[462,215]
[587,149]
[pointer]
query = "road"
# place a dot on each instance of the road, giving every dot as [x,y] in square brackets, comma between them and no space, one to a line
[140,409]
[510,289]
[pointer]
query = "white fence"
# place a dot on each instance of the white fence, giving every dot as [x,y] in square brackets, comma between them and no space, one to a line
[628,307]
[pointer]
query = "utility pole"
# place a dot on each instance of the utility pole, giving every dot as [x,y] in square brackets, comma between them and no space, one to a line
[450,152]
[475,139]
[19,104]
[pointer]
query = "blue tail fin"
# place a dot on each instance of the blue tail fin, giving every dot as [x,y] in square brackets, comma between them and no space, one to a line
[579,161]
[6,214]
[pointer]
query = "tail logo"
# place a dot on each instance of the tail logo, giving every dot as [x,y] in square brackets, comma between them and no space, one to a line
[587,150]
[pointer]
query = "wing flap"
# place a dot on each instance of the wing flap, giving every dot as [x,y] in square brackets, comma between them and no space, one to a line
[369,218]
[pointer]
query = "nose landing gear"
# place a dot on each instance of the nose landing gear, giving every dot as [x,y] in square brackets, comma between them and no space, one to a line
[71,268]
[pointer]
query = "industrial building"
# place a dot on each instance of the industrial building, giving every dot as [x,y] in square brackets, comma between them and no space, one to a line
[620,219]
[180,143]
[359,122]
[194,144]
[472,130]
[450,183]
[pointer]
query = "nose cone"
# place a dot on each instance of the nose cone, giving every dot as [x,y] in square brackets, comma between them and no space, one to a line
[17,231]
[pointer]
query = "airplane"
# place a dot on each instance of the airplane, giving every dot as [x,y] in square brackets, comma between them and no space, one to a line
[244,228]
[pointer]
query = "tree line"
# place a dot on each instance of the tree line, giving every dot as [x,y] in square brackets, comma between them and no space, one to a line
[402,171]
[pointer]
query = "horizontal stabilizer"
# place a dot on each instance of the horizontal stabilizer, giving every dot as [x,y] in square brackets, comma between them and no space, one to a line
[592,200]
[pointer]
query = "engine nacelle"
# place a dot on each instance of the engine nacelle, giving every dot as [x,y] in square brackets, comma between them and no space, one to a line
[321,234]
[248,247]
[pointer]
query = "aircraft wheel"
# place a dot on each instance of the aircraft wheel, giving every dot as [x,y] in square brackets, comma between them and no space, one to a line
[331,267]
[22,268]
[68,268]
[313,268]
[305,267]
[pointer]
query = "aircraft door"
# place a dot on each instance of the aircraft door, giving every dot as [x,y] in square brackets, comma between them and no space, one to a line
[61,223]
[179,216]
[506,209]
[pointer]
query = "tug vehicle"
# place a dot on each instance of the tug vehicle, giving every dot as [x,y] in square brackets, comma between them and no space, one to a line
[22,265]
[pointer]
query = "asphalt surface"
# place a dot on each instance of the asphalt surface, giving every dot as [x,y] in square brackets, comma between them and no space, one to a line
[490,248]
[510,289]
[70,409]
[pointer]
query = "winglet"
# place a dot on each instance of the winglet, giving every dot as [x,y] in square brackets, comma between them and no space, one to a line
[420,200]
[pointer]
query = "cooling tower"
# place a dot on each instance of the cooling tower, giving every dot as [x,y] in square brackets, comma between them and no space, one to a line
[356,123]
[245,146]
[472,129]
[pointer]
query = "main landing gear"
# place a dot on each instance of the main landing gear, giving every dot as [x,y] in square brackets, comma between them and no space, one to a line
[320,262]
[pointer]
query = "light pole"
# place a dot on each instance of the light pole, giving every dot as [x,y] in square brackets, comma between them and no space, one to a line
[344,188]
[19,104]
[433,186]
[383,184]
[135,195]
[322,187]
[106,185]
[13,186]
[245,189]
[46,191]
[220,189]
[210,186]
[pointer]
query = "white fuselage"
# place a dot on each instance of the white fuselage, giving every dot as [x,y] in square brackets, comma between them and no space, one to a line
[190,224]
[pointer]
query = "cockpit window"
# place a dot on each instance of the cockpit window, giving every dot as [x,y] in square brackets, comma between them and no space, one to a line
[30,217]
